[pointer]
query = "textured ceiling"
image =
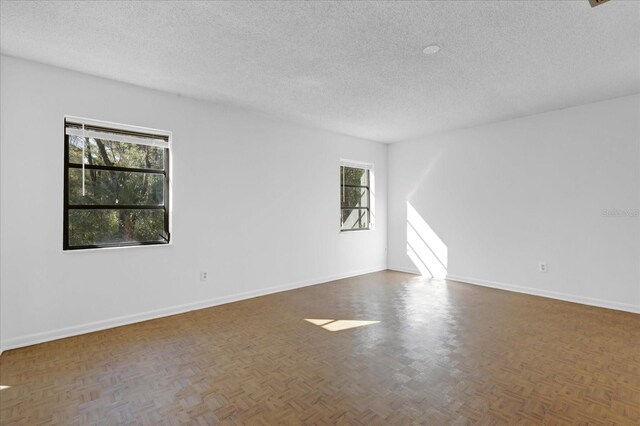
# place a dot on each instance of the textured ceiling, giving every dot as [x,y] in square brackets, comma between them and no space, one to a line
[350,67]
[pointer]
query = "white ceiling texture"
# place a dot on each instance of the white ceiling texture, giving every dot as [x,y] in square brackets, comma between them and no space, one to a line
[356,68]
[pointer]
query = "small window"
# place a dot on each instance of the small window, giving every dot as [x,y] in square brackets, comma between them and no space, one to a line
[116,185]
[355,197]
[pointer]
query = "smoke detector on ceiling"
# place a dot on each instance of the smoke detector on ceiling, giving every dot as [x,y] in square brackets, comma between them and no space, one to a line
[431,50]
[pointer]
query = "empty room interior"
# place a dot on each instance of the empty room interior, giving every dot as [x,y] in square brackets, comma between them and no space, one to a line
[320,212]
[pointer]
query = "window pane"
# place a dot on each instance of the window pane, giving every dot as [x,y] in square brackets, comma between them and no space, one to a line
[109,187]
[75,150]
[355,219]
[97,227]
[102,152]
[354,176]
[355,197]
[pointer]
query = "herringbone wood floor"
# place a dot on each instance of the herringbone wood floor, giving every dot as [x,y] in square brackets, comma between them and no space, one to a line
[442,353]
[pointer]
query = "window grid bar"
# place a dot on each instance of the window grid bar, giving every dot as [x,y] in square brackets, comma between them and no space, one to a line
[117,168]
[355,186]
[116,207]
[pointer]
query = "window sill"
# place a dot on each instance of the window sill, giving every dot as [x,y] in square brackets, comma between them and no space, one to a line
[355,231]
[139,246]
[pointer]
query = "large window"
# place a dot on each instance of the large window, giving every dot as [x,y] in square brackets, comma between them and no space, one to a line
[355,197]
[116,185]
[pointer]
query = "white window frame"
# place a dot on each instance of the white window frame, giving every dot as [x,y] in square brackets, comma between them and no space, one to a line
[370,168]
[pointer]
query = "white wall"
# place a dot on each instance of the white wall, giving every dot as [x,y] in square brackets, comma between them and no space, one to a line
[505,196]
[255,202]
[502,197]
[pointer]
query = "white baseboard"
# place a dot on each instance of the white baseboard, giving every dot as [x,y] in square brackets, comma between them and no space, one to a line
[32,339]
[404,269]
[550,294]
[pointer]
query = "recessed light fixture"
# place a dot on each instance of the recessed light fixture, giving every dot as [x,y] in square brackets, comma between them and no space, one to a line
[431,50]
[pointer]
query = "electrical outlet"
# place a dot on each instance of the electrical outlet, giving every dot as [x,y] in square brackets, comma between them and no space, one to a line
[204,275]
[542,267]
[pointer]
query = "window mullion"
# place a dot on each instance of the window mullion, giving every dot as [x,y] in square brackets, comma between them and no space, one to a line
[117,168]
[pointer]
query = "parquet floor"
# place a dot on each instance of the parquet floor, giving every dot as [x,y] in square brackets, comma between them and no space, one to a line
[440,354]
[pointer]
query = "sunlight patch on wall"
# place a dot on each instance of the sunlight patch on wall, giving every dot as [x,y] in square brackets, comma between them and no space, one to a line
[339,325]
[425,249]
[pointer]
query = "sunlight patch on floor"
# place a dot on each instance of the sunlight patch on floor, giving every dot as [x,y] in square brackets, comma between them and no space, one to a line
[339,325]
[319,321]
